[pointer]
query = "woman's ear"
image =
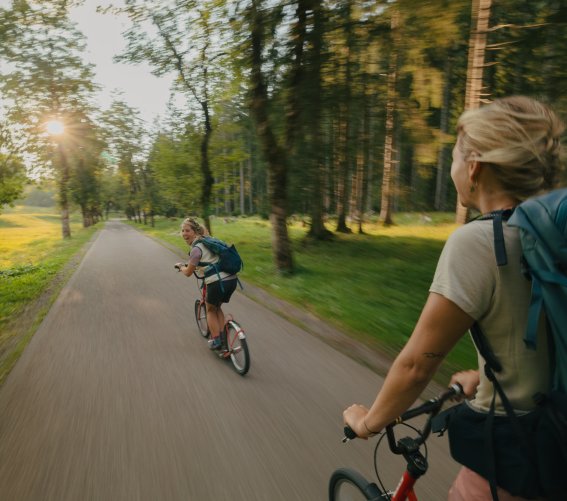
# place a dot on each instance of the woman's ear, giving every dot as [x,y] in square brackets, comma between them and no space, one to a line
[474,171]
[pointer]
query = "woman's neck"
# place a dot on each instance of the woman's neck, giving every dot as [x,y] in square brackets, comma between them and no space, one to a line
[495,201]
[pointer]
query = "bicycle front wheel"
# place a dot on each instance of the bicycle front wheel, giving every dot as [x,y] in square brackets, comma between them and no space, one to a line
[201,317]
[349,485]
[237,348]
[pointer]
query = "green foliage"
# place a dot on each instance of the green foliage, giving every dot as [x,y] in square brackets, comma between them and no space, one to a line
[173,161]
[38,196]
[12,179]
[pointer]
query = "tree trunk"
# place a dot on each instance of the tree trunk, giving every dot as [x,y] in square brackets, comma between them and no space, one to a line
[342,171]
[227,202]
[477,47]
[250,177]
[364,169]
[388,172]
[344,165]
[242,194]
[317,229]
[64,193]
[274,154]
[444,149]
[208,179]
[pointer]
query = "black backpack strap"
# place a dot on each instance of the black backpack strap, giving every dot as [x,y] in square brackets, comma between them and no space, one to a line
[484,348]
[489,446]
[499,244]
[491,366]
[498,216]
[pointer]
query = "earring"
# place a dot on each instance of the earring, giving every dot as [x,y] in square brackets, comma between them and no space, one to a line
[473,186]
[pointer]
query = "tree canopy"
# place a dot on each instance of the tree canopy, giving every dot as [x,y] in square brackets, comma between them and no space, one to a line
[330,109]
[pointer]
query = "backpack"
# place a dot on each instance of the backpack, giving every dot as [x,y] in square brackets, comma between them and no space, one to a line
[543,233]
[229,260]
[526,454]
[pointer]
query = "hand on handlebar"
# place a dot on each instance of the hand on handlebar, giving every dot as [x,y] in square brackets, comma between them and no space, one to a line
[356,427]
[354,417]
[469,381]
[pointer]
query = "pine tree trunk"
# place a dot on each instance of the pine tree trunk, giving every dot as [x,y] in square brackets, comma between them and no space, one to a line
[317,229]
[241,194]
[388,172]
[364,171]
[275,155]
[251,185]
[344,165]
[208,179]
[444,149]
[477,49]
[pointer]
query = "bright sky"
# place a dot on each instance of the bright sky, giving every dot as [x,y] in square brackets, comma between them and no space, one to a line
[140,88]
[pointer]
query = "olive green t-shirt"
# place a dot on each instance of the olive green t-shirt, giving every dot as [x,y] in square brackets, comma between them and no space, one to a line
[498,299]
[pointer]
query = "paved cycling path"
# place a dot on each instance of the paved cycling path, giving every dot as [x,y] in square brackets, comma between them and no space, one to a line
[117,397]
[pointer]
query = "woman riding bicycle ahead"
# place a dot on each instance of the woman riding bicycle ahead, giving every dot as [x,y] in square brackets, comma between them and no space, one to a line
[505,152]
[199,258]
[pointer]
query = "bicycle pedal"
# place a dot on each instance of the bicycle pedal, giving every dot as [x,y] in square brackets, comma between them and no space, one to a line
[224,354]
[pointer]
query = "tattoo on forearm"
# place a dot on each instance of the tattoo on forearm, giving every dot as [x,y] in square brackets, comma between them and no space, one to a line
[430,354]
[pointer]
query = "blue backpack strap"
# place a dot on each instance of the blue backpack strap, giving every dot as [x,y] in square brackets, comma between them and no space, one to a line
[534,313]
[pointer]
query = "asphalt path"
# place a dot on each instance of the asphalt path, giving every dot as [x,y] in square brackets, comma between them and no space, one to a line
[118,398]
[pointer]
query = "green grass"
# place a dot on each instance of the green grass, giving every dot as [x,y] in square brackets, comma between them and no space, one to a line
[371,286]
[32,254]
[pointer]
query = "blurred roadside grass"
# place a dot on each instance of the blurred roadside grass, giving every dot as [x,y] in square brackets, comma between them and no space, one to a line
[371,286]
[32,253]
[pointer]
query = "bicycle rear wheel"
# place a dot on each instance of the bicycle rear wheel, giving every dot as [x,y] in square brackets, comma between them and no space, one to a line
[237,347]
[349,485]
[201,317]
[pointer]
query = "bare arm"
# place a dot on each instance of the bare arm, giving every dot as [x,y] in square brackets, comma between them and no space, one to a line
[441,324]
[188,269]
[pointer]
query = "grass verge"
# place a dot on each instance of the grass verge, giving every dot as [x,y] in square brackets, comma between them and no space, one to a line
[34,266]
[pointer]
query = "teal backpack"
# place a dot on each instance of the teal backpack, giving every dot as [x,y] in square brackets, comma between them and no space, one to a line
[543,232]
[542,222]
[229,260]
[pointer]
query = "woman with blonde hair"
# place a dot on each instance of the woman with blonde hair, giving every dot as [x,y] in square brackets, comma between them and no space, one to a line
[505,152]
[220,286]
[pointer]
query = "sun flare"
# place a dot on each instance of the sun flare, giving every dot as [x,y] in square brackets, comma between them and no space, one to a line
[55,127]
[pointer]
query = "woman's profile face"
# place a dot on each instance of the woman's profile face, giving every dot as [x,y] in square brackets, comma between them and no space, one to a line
[188,233]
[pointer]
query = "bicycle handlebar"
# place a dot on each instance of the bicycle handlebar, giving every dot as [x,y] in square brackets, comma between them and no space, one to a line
[431,407]
[178,268]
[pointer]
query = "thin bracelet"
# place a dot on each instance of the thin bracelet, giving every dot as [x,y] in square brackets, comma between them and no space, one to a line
[368,429]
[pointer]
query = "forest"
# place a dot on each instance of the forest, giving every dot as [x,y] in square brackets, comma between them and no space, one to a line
[334,111]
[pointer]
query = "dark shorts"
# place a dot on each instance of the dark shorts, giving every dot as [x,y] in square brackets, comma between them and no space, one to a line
[216,296]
